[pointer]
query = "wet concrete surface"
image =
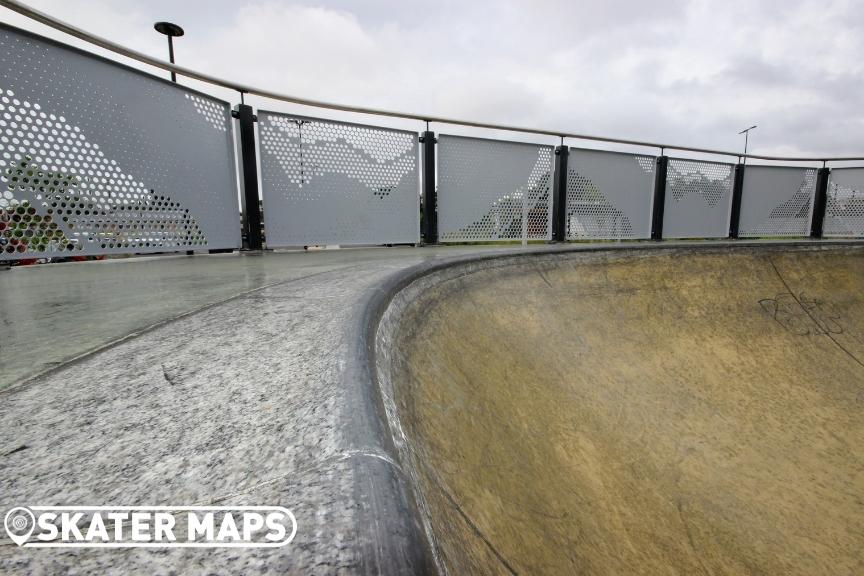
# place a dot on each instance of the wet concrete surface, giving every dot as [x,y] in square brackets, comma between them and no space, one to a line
[52,313]
[256,400]
[679,412]
[230,379]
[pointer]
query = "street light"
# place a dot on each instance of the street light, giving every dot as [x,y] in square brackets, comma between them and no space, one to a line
[171,31]
[746,133]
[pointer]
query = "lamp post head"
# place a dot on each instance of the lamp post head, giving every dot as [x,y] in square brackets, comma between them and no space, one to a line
[168,29]
[747,129]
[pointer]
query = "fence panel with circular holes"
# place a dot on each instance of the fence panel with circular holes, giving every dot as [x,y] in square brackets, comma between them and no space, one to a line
[493,190]
[609,195]
[698,199]
[844,211]
[327,182]
[777,201]
[99,158]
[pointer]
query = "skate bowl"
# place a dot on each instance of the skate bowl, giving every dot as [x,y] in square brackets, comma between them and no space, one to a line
[678,411]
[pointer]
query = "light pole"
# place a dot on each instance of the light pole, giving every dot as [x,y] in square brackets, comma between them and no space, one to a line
[746,133]
[171,31]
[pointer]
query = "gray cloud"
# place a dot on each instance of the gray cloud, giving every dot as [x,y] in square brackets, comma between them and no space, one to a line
[675,71]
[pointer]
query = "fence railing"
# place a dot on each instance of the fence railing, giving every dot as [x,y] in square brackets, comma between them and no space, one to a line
[98,158]
[328,182]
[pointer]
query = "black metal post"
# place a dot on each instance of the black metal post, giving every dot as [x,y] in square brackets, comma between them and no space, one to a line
[559,195]
[430,194]
[249,162]
[659,197]
[737,191]
[820,201]
[171,57]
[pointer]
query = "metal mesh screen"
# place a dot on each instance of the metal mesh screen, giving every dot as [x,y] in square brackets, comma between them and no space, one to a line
[777,201]
[493,190]
[844,212]
[97,158]
[698,199]
[326,182]
[609,194]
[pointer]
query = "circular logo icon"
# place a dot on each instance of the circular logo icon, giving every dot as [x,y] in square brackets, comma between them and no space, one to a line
[19,523]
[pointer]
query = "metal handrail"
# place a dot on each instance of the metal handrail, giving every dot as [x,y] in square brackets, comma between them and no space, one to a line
[49,20]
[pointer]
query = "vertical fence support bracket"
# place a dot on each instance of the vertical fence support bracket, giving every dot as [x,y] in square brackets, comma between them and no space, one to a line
[737,191]
[820,201]
[430,194]
[559,194]
[251,207]
[659,197]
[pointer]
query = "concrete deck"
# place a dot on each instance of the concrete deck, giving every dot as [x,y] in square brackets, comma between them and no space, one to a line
[67,310]
[221,379]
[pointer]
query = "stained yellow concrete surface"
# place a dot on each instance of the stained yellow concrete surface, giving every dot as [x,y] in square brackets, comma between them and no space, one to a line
[663,413]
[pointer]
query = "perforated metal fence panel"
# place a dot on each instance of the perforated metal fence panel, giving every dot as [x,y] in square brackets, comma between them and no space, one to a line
[777,201]
[698,199]
[844,212]
[490,190]
[98,158]
[326,182]
[609,194]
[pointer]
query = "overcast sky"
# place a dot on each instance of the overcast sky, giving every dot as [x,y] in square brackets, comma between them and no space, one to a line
[687,72]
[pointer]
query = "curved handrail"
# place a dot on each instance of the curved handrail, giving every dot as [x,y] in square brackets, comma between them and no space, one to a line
[49,20]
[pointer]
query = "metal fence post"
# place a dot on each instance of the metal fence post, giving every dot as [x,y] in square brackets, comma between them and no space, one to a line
[249,179]
[430,194]
[559,195]
[737,191]
[820,201]
[659,197]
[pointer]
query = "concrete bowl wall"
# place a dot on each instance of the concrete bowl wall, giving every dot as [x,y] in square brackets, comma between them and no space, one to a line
[678,411]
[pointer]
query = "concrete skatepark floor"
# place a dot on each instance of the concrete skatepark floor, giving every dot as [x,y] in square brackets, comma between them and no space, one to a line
[221,379]
[79,307]
[665,413]
[690,410]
